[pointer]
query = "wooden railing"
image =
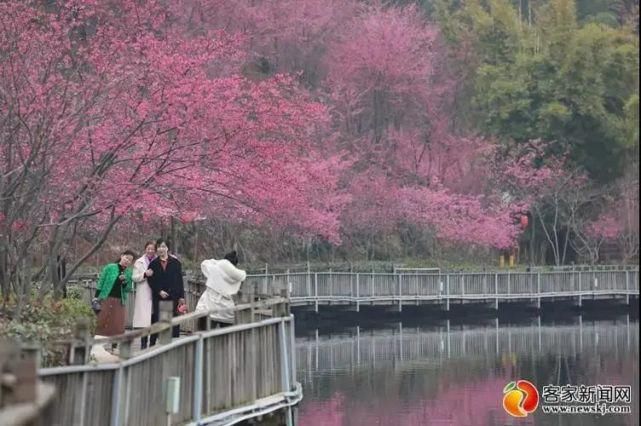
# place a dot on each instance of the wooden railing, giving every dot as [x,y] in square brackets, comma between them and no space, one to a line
[221,375]
[402,288]
[586,268]
[194,287]
[408,288]
[24,400]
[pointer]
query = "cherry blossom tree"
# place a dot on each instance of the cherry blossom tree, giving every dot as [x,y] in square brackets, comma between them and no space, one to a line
[331,120]
[547,186]
[594,233]
[109,111]
[391,97]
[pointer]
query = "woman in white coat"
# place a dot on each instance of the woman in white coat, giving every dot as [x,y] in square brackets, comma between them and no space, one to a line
[223,282]
[143,302]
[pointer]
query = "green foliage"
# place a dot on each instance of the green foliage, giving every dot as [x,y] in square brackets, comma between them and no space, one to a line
[564,80]
[608,12]
[45,321]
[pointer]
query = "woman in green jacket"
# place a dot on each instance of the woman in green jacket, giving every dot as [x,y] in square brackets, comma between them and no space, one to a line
[113,285]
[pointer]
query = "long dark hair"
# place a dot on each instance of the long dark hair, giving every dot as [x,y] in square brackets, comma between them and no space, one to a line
[232,256]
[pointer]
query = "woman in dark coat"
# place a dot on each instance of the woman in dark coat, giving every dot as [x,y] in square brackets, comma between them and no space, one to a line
[166,282]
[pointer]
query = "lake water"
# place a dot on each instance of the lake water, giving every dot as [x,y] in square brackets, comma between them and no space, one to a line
[446,373]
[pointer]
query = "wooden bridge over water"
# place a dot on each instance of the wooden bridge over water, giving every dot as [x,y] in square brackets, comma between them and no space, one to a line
[224,376]
[209,377]
[395,290]
[416,288]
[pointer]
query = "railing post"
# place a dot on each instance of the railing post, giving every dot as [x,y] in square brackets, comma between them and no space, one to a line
[116,393]
[198,380]
[580,290]
[265,282]
[496,291]
[358,303]
[627,287]
[252,305]
[286,310]
[538,289]
[25,373]
[508,283]
[371,285]
[289,286]
[284,358]
[351,285]
[572,282]
[400,294]
[447,292]
[316,291]
[292,342]
[124,349]
[79,354]
[165,313]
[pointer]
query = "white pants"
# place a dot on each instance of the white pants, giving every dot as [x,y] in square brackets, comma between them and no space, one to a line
[221,306]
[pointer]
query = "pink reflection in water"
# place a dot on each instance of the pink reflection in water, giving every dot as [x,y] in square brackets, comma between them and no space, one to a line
[472,404]
[323,413]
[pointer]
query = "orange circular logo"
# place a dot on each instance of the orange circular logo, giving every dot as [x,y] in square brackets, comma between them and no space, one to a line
[520,398]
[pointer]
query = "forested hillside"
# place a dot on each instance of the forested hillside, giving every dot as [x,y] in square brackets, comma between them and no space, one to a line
[320,130]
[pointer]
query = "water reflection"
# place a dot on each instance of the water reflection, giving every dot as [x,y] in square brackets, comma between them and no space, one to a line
[454,374]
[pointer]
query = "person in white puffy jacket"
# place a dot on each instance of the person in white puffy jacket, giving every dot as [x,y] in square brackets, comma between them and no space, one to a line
[223,282]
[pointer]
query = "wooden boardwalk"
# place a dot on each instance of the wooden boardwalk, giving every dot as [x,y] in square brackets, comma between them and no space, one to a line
[414,288]
[400,289]
[223,375]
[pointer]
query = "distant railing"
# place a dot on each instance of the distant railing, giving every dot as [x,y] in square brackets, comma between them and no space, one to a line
[586,268]
[415,286]
[419,286]
[381,266]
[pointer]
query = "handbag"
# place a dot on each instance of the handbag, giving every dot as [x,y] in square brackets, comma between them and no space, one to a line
[95,305]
